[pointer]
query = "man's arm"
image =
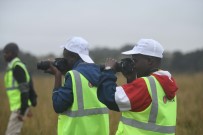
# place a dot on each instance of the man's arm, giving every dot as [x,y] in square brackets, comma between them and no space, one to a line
[133,96]
[107,88]
[62,97]
[20,76]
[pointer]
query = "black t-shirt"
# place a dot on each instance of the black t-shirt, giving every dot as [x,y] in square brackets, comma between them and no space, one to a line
[19,74]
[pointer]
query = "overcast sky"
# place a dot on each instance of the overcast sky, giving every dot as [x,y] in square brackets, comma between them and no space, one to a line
[41,26]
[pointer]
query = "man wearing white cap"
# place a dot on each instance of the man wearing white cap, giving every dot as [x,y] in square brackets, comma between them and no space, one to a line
[148,100]
[76,102]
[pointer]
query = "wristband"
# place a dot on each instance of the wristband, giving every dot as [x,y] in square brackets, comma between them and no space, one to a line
[107,68]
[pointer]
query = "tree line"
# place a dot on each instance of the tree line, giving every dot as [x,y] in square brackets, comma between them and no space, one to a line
[174,62]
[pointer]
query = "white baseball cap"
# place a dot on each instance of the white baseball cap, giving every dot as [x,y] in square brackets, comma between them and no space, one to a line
[80,46]
[147,47]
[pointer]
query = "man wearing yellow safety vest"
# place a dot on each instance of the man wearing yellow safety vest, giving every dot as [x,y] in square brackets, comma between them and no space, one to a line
[148,100]
[80,111]
[17,87]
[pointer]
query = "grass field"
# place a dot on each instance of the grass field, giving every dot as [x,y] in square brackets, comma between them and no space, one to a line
[44,120]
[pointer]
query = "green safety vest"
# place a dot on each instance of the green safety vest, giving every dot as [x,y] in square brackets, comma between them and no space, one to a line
[158,119]
[11,85]
[87,116]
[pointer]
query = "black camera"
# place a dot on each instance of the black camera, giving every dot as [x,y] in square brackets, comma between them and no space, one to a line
[125,66]
[59,63]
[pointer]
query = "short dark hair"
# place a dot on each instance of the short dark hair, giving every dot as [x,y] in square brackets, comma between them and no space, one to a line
[11,47]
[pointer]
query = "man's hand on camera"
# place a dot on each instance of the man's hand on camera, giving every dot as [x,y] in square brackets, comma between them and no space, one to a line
[57,74]
[52,69]
[110,64]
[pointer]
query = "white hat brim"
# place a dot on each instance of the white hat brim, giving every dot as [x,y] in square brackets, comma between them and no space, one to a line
[86,58]
[130,52]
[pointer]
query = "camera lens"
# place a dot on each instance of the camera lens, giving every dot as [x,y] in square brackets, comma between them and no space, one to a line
[126,66]
[43,65]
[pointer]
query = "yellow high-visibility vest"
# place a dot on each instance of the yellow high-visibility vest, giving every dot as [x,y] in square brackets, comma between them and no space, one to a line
[11,85]
[87,116]
[157,119]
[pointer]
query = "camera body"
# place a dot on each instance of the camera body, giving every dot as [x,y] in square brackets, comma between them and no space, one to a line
[125,66]
[59,63]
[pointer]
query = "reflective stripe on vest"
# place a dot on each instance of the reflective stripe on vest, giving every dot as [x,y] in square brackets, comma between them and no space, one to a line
[11,88]
[150,126]
[81,111]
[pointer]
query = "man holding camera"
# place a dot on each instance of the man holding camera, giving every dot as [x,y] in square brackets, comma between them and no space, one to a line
[17,83]
[148,100]
[76,102]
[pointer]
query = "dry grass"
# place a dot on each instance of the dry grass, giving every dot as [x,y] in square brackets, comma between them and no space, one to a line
[44,120]
[190,98]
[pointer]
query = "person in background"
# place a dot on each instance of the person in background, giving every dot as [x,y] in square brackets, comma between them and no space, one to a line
[80,111]
[16,81]
[148,100]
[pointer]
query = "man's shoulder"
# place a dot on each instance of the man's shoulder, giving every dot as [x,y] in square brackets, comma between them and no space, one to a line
[87,67]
